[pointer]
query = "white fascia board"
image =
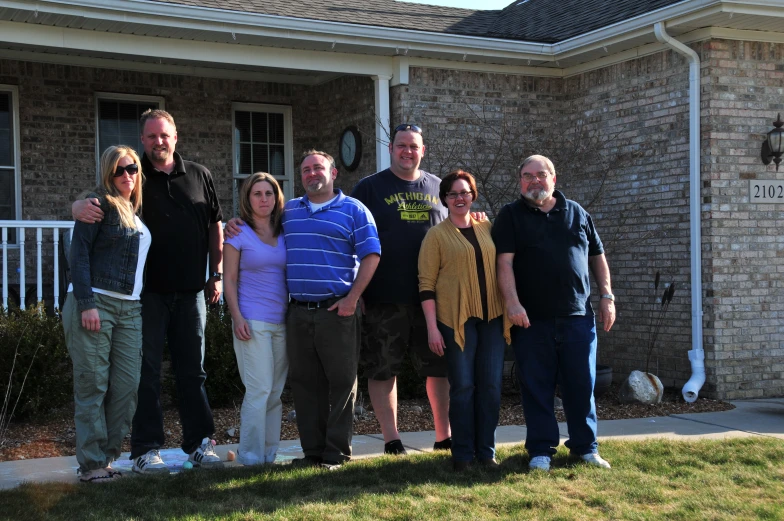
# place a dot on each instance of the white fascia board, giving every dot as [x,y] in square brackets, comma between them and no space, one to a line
[157,47]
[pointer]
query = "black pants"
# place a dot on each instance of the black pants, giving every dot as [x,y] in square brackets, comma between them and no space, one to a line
[179,318]
[323,350]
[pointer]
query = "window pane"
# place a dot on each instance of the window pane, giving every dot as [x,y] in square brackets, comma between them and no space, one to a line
[277,161]
[260,158]
[7,194]
[6,130]
[276,128]
[118,123]
[243,161]
[242,126]
[259,127]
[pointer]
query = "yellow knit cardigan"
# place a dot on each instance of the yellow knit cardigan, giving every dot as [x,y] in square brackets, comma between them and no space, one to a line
[447,265]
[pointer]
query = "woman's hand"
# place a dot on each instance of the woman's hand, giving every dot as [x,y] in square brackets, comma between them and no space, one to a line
[435,341]
[241,329]
[90,320]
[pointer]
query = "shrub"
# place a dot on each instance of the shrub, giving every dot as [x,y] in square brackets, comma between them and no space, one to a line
[35,362]
[224,386]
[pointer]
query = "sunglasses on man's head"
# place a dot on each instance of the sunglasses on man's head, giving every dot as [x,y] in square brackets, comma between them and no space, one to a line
[132,169]
[408,127]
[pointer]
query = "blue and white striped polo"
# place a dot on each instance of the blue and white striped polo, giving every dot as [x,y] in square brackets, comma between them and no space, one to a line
[324,247]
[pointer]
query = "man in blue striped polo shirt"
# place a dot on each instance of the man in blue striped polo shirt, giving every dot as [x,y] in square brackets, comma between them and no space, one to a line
[332,252]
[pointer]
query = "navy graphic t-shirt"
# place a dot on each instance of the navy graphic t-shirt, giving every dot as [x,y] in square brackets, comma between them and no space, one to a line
[404,211]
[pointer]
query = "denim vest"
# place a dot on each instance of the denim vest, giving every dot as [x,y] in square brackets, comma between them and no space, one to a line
[103,255]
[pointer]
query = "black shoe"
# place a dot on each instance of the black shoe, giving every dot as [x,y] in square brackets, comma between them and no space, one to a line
[307,461]
[443,444]
[489,463]
[396,448]
[460,466]
[331,465]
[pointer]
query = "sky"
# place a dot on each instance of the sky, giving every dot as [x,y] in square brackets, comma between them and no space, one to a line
[467,4]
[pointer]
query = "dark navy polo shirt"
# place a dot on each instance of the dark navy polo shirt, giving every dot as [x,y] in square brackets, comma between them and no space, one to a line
[178,208]
[551,255]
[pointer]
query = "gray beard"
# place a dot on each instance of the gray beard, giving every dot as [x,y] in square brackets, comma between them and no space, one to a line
[537,195]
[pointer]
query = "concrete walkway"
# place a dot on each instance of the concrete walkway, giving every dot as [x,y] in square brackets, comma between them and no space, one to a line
[764,417]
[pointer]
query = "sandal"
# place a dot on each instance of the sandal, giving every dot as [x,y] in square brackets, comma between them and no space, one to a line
[95,476]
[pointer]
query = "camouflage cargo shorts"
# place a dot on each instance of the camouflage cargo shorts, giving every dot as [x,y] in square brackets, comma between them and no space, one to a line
[388,331]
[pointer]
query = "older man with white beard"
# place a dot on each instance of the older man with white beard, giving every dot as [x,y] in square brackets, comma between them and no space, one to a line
[546,245]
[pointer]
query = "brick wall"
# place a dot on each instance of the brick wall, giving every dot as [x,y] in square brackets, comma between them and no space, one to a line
[744,245]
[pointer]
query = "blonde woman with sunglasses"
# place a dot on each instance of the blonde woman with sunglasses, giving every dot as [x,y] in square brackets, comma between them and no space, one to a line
[102,315]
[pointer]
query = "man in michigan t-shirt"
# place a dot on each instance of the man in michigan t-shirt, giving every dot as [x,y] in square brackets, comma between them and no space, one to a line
[405,205]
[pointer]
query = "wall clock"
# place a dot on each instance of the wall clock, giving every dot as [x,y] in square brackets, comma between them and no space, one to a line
[350,147]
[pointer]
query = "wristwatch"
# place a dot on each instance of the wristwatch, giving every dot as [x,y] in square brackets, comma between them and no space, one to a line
[609,296]
[216,275]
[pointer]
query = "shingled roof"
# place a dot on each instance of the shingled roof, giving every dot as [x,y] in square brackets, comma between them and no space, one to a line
[546,21]
[382,13]
[551,21]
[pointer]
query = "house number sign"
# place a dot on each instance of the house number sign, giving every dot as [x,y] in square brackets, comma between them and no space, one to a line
[761,191]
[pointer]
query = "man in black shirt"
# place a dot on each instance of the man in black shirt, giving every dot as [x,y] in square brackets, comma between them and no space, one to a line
[405,204]
[546,245]
[181,209]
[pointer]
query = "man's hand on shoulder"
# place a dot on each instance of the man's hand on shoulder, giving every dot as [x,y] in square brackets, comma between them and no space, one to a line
[87,211]
[232,228]
[479,216]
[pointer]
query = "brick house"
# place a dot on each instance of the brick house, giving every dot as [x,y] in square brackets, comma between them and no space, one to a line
[252,83]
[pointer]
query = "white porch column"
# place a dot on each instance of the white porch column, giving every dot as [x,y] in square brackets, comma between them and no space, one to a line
[381,86]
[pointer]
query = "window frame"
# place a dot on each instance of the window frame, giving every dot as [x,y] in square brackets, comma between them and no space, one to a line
[14,90]
[116,96]
[288,146]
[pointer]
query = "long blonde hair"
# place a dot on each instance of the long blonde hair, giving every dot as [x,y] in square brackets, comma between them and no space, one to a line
[246,212]
[109,160]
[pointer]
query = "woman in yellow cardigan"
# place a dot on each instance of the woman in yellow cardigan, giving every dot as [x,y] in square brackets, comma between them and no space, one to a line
[465,319]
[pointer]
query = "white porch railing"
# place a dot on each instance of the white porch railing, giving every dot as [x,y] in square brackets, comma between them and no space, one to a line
[39,226]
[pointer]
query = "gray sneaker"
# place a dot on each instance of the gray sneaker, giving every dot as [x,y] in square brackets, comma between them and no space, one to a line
[205,456]
[540,463]
[150,463]
[593,458]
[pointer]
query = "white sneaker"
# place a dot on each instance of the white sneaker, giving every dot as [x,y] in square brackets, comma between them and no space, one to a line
[150,463]
[593,458]
[249,458]
[540,463]
[205,455]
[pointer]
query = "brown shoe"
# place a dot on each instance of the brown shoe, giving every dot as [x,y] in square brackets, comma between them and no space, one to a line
[460,466]
[489,463]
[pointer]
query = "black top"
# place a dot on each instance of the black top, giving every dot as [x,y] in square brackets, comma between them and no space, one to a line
[404,211]
[178,208]
[551,255]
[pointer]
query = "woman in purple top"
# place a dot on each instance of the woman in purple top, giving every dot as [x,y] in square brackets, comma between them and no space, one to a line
[254,264]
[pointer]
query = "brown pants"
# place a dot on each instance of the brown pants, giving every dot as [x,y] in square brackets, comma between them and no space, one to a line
[323,351]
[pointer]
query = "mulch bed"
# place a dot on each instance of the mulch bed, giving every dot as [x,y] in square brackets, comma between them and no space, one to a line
[55,436]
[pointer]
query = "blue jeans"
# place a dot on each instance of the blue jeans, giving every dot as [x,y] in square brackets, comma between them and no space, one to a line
[475,375]
[180,319]
[558,351]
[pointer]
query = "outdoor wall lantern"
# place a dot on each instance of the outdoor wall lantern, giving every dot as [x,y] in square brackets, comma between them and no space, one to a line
[773,147]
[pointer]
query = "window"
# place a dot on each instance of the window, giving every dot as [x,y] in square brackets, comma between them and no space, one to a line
[118,121]
[10,205]
[262,142]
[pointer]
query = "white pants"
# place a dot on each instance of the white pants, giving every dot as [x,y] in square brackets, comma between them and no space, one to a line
[263,366]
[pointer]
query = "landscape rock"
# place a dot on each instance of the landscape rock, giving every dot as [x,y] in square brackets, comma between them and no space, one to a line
[641,388]
[292,416]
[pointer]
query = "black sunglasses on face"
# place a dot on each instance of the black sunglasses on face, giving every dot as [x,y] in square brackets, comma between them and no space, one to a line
[132,169]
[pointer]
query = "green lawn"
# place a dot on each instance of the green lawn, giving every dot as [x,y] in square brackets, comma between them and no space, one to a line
[739,479]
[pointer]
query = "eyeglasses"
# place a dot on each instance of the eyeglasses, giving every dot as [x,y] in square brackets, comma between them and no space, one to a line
[530,177]
[132,169]
[454,195]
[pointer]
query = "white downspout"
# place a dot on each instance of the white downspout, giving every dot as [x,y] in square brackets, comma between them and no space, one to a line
[696,355]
